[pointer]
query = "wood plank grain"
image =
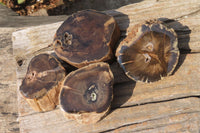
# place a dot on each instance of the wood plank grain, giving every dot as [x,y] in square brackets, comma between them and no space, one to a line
[175,123]
[186,127]
[53,121]
[8,91]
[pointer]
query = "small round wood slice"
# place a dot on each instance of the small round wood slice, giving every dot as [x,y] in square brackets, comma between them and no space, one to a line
[86,37]
[42,83]
[149,52]
[87,93]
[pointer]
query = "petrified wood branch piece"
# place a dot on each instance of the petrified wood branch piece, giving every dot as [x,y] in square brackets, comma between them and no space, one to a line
[149,52]
[42,83]
[87,93]
[86,37]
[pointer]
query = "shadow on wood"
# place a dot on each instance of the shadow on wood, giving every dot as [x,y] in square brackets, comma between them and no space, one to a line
[123,86]
[124,91]
[183,33]
[69,68]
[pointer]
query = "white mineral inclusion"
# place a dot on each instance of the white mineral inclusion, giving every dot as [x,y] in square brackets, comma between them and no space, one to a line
[147,58]
[93,96]
[149,46]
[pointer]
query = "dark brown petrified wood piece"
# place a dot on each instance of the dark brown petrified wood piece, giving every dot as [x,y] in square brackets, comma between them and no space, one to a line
[42,83]
[87,93]
[149,52]
[86,37]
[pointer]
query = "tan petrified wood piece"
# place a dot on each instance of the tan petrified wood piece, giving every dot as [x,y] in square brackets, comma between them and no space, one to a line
[87,93]
[86,37]
[42,83]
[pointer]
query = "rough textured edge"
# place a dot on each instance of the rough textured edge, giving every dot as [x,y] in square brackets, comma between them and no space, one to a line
[86,118]
[51,100]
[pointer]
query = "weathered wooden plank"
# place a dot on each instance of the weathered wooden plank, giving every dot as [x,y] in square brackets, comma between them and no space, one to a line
[130,15]
[33,40]
[8,97]
[186,127]
[175,123]
[194,39]
[54,121]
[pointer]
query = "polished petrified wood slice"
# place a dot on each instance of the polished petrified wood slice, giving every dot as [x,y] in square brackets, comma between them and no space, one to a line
[42,83]
[149,52]
[87,93]
[86,37]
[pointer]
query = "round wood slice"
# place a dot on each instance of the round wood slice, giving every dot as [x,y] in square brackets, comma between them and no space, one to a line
[42,83]
[87,93]
[86,37]
[149,52]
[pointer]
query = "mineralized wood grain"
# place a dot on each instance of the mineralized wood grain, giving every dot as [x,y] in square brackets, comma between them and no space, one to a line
[86,37]
[87,93]
[135,102]
[42,83]
[149,52]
